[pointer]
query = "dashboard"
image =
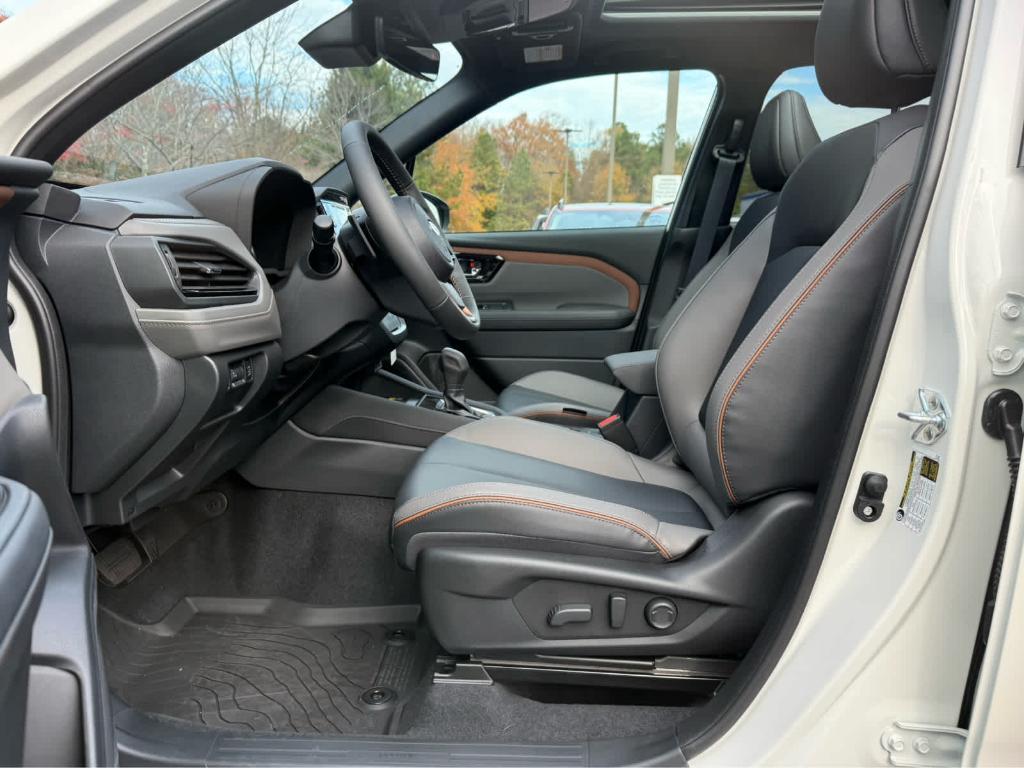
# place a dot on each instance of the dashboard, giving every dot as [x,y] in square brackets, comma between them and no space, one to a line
[193,326]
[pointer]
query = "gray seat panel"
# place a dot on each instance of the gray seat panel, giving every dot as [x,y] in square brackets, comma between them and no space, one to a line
[522,484]
[545,394]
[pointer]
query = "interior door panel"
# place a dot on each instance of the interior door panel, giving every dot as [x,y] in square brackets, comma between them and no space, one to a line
[24,545]
[54,703]
[557,299]
[532,290]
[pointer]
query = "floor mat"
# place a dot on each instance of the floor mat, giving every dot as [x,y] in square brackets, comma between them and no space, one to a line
[258,673]
[315,548]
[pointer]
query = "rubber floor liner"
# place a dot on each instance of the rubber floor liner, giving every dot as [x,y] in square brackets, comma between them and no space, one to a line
[256,673]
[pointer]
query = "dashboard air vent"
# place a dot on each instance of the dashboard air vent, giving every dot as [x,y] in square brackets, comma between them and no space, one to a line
[203,272]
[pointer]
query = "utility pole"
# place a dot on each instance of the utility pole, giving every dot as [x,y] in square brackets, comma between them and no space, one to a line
[551,179]
[668,148]
[565,177]
[611,138]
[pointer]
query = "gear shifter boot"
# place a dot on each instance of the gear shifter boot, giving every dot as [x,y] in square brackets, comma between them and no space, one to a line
[454,370]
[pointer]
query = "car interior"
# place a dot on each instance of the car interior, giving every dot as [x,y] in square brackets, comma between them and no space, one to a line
[356,484]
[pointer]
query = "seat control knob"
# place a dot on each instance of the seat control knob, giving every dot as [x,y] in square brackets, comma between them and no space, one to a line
[569,613]
[660,613]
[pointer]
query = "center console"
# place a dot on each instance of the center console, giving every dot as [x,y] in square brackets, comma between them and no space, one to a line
[364,438]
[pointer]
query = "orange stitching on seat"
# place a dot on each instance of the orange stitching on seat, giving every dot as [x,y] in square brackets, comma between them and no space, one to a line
[483,499]
[888,203]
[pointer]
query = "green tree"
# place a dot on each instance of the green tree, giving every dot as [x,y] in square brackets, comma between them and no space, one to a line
[518,204]
[488,174]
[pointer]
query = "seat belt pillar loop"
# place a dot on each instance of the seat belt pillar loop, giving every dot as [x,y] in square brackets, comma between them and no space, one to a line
[728,163]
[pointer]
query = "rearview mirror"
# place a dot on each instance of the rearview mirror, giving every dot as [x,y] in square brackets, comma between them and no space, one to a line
[405,52]
[441,210]
[354,38]
[347,40]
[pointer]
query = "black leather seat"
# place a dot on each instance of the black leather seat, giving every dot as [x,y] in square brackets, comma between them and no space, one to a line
[507,520]
[783,136]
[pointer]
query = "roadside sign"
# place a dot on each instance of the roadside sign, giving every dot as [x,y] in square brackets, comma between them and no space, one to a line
[664,188]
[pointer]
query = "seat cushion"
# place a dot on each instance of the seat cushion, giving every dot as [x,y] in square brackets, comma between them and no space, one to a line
[546,395]
[514,483]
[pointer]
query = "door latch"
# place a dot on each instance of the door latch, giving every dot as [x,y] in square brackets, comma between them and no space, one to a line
[932,419]
[913,745]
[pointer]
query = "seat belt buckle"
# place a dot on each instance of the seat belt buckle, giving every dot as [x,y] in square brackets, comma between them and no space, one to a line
[614,430]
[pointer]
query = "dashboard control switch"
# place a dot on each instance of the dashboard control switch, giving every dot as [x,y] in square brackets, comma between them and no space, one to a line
[241,373]
[323,258]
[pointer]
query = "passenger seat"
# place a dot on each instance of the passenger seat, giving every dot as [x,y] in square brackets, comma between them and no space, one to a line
[784,135]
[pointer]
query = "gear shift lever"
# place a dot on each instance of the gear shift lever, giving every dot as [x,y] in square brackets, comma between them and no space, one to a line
[454,370]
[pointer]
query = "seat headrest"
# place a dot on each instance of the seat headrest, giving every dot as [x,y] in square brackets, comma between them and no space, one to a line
[783,136]
[879,53]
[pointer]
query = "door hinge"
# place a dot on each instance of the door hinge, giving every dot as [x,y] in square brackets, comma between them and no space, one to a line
[933,418]
[927,746]
[1006,338]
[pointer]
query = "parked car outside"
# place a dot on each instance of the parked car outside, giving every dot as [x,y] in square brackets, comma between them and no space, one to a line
[594,216]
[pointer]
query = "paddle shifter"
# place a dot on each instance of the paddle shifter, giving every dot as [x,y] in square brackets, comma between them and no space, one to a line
[454,370]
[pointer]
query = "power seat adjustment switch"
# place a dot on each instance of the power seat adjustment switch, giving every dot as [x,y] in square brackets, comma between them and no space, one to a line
[660,613]
[616,610]
[570,613]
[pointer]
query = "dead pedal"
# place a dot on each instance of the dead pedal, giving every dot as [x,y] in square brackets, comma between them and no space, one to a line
[119,562]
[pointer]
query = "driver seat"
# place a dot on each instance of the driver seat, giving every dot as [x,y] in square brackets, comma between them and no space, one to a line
[783,137]
[532,538]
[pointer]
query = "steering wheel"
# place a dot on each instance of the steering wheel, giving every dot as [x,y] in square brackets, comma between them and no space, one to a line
[406,229]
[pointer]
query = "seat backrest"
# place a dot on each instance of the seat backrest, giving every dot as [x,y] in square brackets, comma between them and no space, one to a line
[783,137]
[772,417]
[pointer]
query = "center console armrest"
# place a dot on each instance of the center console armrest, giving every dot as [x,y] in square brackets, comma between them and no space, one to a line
[635,370]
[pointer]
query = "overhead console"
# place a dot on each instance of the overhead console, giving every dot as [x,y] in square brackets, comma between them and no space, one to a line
[403,33]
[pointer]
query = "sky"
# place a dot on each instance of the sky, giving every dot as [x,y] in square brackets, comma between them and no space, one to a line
[15,6]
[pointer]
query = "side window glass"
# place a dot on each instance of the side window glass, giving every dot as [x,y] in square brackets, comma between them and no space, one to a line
[549,157]
[829,119]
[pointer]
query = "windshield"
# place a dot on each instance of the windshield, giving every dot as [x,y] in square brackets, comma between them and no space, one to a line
[257,95]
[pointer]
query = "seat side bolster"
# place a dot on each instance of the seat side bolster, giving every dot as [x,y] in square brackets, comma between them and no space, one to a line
[523,516]
[776,408]
[694,347]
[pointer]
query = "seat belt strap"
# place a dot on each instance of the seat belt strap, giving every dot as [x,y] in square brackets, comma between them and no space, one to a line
[728,164]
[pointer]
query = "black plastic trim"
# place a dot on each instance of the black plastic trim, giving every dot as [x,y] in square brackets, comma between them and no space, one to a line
[52,354]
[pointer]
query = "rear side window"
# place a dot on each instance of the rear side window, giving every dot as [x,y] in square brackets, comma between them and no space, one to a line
[553,157]
[829,119]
